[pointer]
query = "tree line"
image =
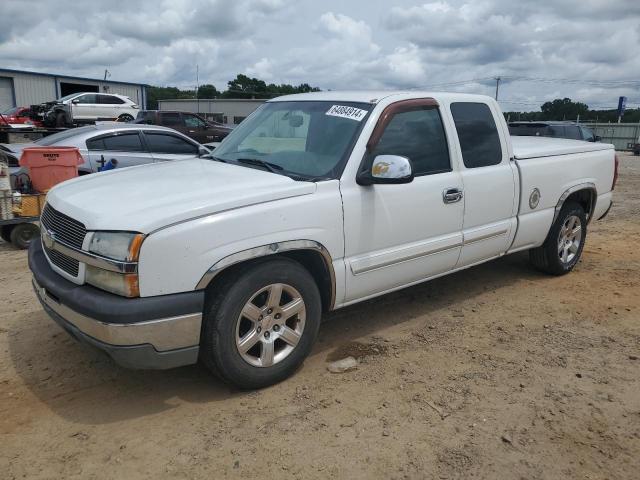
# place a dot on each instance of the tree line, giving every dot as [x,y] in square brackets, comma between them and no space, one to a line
[244,86]
[567,109]
[240,87]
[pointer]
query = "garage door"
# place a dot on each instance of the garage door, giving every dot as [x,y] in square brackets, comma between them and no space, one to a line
[6,93]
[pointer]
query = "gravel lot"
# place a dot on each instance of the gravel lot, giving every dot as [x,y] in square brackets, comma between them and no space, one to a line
[496,372]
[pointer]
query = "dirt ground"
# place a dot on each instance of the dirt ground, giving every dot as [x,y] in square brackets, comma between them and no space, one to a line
[497,372]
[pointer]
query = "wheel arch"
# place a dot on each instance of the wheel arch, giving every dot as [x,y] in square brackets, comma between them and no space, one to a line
[310,254]
[585,194]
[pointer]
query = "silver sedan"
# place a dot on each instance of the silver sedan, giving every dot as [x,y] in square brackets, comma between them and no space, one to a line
[129,144]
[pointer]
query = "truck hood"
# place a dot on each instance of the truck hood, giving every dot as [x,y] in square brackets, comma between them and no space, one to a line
[149,197]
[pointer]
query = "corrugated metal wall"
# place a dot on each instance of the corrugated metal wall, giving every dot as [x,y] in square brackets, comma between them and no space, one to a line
[32,89]
[620,134]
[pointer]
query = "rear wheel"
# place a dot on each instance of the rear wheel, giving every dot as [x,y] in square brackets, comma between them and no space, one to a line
[23,233]
[562,249]
[261,324]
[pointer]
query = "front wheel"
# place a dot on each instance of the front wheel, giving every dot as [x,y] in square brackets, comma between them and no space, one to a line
[261,324]
[125,117]
[562,249]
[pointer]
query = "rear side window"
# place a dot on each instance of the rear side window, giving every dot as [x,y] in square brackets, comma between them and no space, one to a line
[171,119]
[478,134]
[419,136]
[110,100]
[125,142]
[164,143]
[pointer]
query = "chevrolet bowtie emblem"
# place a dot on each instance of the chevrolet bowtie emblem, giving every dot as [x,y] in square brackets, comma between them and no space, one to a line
[48,238]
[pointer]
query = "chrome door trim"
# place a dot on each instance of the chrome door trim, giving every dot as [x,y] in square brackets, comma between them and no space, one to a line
[355,270]
[486,237]
[271,249]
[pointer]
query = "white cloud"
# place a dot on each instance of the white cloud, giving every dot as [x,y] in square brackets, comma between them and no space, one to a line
[336,44]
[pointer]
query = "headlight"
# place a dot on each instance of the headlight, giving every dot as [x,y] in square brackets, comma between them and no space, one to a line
[120,246]
[123,246]
[124,284]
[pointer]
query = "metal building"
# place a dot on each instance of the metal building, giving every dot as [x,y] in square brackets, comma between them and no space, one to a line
[20,88]
[222,110]
[622,135]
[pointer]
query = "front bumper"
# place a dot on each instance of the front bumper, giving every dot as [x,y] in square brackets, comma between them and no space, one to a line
[153,332]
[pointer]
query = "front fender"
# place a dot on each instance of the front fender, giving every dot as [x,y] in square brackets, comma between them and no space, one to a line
[179,258]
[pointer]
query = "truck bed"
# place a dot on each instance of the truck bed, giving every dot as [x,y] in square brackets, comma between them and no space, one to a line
[532,147]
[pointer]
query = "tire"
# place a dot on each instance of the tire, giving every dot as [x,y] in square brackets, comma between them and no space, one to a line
[125,117]
[225,328]
[5,232]
[558,258]
[23,233]
[60,120]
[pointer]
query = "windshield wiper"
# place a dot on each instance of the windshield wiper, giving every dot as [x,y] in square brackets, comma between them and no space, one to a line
[272,167]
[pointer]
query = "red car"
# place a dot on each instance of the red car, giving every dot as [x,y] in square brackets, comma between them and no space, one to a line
[18,115]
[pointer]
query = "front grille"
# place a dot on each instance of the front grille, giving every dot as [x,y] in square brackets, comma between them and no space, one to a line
[63,262]
[64,228]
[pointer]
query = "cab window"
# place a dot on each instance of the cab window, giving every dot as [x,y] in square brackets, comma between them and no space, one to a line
[418,135]
[478,134]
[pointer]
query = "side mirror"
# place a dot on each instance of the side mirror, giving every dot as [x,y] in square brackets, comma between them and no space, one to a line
[387,169]
[597,138]
[75,100]
[202,151]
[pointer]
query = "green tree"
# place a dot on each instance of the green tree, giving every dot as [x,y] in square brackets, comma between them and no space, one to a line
[208,91]
[563,109]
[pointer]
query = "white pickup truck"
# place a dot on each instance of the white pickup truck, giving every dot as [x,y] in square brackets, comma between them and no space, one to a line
[314,202]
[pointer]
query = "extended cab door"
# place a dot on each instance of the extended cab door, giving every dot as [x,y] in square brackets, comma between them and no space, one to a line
[125,147]
[396,235]
[489,179]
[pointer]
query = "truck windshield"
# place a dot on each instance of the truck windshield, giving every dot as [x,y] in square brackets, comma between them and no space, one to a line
[307,139]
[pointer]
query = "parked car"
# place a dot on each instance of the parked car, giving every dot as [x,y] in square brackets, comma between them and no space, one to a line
[86,107]
[129,144]
[18,116]
[569,130]
[190,124]
[315,202]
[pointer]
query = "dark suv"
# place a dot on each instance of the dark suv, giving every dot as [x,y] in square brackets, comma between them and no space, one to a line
[190,124]
[552,129]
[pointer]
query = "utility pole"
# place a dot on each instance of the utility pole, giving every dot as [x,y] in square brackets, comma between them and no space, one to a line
[497,79]
[197,88]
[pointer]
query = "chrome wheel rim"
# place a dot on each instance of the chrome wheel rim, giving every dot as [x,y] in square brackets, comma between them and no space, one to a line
[569,239]
[270,325]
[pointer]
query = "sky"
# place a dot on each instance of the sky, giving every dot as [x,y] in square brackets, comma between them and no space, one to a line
[587,50]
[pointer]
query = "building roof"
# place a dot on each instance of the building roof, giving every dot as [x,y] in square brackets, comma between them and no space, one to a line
[10,70]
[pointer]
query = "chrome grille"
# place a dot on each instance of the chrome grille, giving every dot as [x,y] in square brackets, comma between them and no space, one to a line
[65,228]
[63,262]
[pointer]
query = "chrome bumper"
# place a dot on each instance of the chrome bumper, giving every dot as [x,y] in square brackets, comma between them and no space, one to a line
[163,334]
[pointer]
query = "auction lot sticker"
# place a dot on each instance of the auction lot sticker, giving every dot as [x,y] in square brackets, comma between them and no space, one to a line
[347,112]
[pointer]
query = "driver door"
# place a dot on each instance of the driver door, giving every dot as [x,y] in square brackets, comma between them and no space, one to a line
[396,235]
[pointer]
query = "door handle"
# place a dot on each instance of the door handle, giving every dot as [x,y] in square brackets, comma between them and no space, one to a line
[452,195]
